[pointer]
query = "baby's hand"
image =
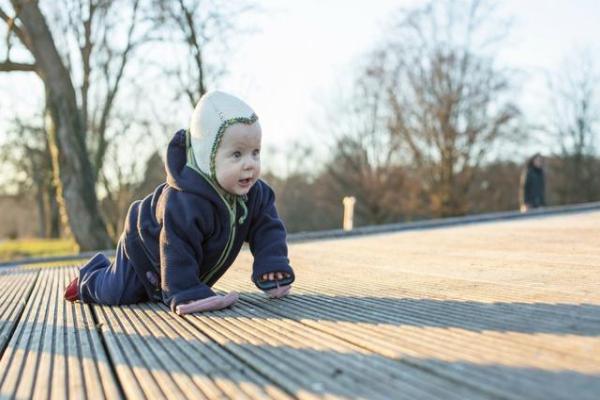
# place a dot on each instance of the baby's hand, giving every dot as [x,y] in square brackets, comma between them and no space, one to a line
[278,291]
[274,276]
[212,303]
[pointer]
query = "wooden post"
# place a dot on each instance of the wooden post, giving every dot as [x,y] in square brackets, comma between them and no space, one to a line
[348,212]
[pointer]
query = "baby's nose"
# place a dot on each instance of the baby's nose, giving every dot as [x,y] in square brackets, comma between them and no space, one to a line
[249,163]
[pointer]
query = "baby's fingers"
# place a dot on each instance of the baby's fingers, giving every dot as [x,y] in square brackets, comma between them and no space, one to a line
[208,304]
[279,292]
[230,298]
[212,303]
[272,276]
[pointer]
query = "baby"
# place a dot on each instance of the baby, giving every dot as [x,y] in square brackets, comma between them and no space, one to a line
[179,240]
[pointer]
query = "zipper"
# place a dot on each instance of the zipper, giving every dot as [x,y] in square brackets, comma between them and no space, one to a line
[230,239]
[226,250]
[232,216]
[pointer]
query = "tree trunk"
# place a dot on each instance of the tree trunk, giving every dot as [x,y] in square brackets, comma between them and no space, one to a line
[42,217]
[52,213]
[70,161]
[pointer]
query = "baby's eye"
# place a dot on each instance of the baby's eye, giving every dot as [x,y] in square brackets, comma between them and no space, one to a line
[236,154]
[256,152]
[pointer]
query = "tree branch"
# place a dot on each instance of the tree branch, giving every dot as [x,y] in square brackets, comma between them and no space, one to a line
[192,39]
[114,88]
[86,53]
[13,27]
[9,66]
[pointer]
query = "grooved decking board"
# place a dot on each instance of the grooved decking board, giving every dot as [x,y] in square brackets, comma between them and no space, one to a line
[504,310]
[528,328]
[506,364]
[15,288]
[312,363]
[157,354]
[55,350]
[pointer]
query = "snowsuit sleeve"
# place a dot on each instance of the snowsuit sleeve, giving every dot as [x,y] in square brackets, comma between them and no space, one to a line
[267,237]
[181,240]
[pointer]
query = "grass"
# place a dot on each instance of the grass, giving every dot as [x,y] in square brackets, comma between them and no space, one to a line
[11,250]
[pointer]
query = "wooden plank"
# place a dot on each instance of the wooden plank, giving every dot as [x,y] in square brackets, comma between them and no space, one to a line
[134,379]
[15,288]
[474,324]
[558,254]
[98,376]
[504,310]
[50,353]
[457,354]
[313,364]
[21,348]
[216,372]
[59,377]
[40,378]
[159,355]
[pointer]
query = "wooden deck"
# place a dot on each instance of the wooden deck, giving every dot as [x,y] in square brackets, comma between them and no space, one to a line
[505,310]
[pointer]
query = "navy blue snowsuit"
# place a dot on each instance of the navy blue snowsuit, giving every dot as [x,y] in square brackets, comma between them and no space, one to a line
[179,240]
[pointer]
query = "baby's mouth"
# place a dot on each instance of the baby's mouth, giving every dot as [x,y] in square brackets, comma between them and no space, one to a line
[245,182]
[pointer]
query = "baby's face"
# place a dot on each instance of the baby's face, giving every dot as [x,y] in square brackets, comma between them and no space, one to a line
[237,162]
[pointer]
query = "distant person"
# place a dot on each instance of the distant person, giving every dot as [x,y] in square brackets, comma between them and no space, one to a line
[179,240]
[533,185]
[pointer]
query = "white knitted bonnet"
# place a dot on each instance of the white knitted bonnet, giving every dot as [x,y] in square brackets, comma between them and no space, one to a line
[215,112]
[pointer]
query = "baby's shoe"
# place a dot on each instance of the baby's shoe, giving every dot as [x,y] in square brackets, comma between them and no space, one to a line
[72,290]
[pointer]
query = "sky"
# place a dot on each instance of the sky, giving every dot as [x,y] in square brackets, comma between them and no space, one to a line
[304,51]
[303,55]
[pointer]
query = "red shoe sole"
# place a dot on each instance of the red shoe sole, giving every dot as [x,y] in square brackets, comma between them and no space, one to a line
[72,291]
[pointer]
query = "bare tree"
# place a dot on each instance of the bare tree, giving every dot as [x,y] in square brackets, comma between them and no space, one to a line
[76,126]
[193,28]
[26,150]
[365,158]
[202,27]
[575,122]
[129,178]
[447,98]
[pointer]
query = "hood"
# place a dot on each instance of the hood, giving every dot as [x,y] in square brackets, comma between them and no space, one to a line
[179,176]
[182,177]
[213,114]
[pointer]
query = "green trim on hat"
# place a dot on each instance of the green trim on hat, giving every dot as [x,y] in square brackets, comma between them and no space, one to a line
[226,124]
